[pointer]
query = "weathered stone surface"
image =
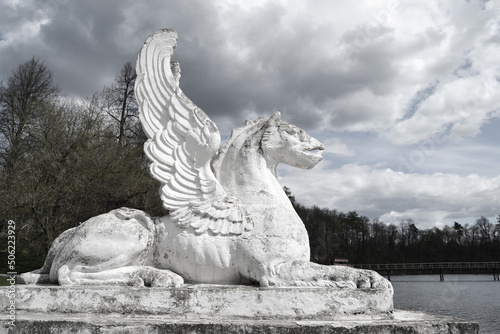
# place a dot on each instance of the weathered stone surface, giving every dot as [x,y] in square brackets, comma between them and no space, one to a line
[404,322]
[214,309]
[207,302]
[229,222]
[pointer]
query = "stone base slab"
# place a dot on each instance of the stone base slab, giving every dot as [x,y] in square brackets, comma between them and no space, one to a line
[403,322]
[206,302]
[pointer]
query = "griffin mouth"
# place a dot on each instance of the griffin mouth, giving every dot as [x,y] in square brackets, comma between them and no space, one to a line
[315,150]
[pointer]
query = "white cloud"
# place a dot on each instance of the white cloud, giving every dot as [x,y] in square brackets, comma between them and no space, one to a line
[429,199]
[454,50]
[457,109]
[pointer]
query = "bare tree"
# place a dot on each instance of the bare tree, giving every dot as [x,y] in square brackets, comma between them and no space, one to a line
[459,231]
[413,231]
[485,228]
[120,101]
[27,90]
[59,163]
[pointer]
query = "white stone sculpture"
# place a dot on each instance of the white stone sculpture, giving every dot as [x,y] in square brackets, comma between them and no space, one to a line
[230,222]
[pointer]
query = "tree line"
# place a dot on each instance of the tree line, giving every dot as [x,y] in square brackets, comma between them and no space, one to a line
[64,161]
[338,235]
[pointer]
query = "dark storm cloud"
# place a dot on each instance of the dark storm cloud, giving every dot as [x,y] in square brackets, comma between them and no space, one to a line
[245,61]
[83,43]
[361,76]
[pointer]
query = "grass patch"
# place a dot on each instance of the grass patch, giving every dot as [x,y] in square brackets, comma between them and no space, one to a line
[3,281]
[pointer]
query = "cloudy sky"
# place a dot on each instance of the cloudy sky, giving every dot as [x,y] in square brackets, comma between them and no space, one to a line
[406,96]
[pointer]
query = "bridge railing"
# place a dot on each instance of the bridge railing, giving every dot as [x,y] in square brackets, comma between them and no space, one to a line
[429,265]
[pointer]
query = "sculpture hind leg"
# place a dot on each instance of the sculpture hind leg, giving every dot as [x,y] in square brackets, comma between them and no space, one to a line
[113,248]
[129,275]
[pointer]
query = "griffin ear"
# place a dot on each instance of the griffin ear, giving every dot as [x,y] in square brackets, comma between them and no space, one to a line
[275,119]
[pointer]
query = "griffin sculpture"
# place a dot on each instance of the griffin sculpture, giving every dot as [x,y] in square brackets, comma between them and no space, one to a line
[229,221]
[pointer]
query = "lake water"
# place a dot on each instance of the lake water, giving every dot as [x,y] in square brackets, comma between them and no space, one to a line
[471,297]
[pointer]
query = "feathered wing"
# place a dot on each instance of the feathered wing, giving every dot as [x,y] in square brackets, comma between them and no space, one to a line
[182,142]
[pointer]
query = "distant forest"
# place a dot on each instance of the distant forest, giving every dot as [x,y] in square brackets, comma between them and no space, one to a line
[64,161]
[338,235]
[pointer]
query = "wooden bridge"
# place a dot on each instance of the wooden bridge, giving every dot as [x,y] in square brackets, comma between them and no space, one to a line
[435,267]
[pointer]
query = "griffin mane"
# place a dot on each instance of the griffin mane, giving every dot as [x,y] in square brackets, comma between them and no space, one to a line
[237,140]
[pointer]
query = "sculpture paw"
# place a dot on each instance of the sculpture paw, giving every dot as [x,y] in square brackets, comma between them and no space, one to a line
[380,282]
[167,279]
[371,279]
[63,276]
[135,281]
[344,284]
[33,277]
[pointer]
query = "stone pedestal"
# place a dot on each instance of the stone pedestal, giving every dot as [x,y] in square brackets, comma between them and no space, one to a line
[207,301]
[214,309]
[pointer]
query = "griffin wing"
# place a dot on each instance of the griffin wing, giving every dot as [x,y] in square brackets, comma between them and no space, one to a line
[182,142]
